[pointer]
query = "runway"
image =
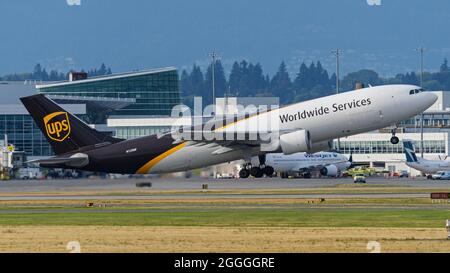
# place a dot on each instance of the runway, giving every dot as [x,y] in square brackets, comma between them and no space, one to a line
[212,196]
[191,188]
[75,185]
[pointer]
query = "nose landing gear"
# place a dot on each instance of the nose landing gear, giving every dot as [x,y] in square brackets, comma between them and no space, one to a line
[394,139]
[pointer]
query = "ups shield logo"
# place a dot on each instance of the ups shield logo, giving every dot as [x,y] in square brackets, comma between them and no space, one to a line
[57,126]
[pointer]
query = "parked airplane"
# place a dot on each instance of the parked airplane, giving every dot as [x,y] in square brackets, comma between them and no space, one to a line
[327,163]
[421,164]
[302,127]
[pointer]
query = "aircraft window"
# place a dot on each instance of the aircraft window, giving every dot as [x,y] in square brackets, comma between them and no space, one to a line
[411,92]
[417,91]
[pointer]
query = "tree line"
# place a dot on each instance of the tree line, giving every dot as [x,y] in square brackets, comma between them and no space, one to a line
[247,79]
[40,74]
[311,81]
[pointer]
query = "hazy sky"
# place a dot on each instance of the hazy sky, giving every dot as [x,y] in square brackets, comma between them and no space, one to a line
[138,34]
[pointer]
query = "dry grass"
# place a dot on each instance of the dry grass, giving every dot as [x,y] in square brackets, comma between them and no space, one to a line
[215,239]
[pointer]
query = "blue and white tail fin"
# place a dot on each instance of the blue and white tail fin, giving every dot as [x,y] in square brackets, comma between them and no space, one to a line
[408,148]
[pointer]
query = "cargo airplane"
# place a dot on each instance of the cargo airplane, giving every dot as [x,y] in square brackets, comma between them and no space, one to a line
[301,127]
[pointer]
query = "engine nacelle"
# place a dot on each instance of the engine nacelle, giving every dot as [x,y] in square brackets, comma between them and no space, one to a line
[330,170]
[321,146]
[295,142]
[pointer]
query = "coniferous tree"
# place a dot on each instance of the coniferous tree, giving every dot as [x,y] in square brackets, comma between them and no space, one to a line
[411,78]
[332,82]
[102,71]
[197,81]
[301,81]
[280,85]
[235,78]
[444,66]
[220,82]
[37,72]
[185,83]
[257,81]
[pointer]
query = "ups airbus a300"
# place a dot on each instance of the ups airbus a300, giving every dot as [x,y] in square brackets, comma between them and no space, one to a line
[302,127]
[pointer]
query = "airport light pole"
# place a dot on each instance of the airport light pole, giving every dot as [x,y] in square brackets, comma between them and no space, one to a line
[421,50]
[337,53]
[213,56]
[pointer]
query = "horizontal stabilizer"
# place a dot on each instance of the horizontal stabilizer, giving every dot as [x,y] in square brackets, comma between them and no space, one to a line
[77,160]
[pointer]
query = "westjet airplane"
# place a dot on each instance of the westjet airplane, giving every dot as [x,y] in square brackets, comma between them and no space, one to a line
[301,127]
[421,164]
[327,163]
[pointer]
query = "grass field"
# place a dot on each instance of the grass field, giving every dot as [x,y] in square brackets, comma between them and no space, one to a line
[235,218]
[225,225]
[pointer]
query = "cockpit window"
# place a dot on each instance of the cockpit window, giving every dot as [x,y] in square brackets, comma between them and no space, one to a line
[415,91]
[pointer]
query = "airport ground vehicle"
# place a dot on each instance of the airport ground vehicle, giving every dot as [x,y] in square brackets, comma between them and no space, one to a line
[441,175]
[364,170]
[299,127]
[29,173]
[359,178]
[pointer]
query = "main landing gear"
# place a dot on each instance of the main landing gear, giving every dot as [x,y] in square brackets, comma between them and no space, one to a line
[256,171]
[394,139]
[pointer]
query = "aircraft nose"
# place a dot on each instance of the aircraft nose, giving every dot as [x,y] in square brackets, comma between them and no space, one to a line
[429,98]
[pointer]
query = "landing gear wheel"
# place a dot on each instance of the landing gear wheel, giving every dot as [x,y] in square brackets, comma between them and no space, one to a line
[283,175]
[256,172]
[244,173]
[268,171]
[395,140]
[307,175]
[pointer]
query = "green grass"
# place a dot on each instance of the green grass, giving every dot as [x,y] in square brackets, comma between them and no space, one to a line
[239,218]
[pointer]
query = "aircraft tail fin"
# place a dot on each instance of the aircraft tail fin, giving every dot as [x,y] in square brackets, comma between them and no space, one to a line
[350,159]
[408,148]
[64,131]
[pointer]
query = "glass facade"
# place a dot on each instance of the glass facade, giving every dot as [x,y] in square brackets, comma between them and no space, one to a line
[386,147]
[156,93]
[437,120]
[24,135]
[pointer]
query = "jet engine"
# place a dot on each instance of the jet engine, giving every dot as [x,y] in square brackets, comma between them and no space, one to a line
[330,170]
[321,146]
[294,142]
